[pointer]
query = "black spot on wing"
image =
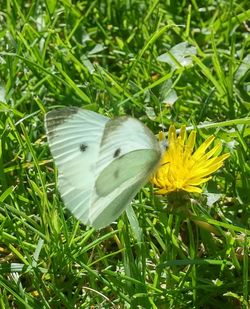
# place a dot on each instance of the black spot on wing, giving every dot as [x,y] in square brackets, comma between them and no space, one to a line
[117,153]
[83,147]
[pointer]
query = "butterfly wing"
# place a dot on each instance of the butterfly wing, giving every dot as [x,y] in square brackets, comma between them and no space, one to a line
[128,155]
[118,183]
[102,163]
[74,136]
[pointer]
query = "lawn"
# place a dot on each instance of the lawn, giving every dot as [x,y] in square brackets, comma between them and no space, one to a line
[183,63]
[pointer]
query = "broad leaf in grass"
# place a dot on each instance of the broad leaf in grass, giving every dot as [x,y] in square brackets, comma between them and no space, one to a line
[179,55]
[168,94]
[243,69]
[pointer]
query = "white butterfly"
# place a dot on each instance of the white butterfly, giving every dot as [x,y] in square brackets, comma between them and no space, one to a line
[102,162]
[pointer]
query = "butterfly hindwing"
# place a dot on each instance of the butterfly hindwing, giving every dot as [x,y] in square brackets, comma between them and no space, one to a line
[115,203]
[134,164]
[119,182]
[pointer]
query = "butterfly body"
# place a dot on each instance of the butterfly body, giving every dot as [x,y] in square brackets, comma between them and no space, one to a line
[102,162]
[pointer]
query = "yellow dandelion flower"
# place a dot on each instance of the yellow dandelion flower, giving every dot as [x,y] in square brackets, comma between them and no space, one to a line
[182,168]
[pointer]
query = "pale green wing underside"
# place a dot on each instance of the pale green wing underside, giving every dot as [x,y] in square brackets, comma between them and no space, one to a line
[115,204]
[118,184]
[132,165]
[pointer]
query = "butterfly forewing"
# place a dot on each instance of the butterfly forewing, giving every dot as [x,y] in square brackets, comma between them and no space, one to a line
[121,136]
[74,137]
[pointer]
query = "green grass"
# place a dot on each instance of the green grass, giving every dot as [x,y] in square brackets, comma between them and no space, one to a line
[102,55]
